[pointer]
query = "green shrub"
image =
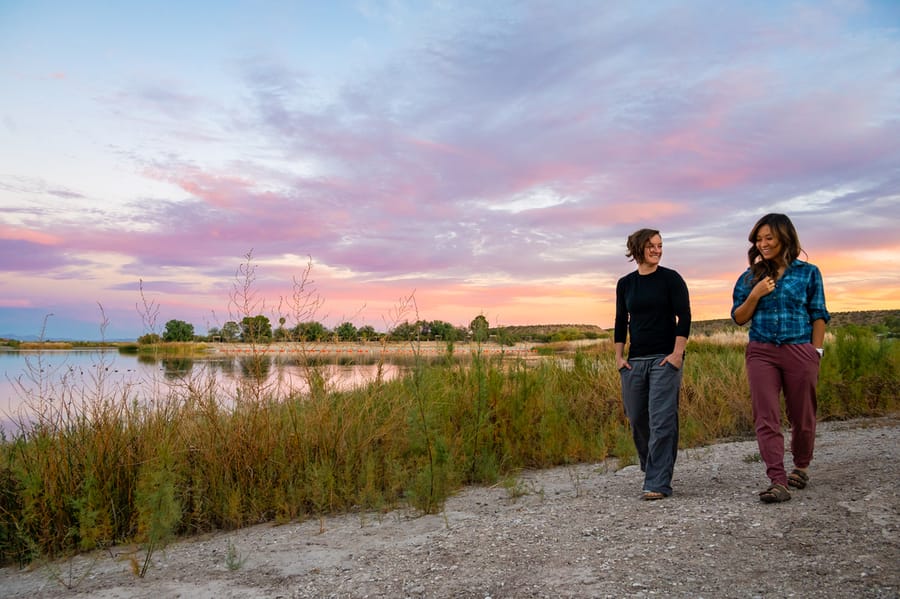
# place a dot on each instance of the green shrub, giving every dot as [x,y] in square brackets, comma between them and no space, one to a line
[860,374]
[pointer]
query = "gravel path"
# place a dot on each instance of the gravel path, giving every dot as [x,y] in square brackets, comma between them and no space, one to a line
[576,531]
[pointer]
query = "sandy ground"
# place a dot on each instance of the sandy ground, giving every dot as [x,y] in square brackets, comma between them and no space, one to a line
[578,531]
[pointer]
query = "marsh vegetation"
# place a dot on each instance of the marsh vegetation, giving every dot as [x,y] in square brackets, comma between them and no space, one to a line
[92,474]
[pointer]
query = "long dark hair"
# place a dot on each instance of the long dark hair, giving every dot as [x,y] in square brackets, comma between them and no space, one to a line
[637,241]
[782,228]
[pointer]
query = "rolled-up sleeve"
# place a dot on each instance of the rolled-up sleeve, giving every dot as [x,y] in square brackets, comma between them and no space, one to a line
[816,297]
[740,294]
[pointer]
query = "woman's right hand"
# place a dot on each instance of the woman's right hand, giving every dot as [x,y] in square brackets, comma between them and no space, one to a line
[764,287]
[743,313]
[622,363]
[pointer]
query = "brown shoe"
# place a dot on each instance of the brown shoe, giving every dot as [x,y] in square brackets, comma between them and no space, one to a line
[776,493]
[798,479]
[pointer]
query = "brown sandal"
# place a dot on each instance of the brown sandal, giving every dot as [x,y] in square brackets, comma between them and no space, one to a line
[798,479]
[776,493]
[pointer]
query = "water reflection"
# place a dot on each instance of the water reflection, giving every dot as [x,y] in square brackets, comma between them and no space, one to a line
[176,367]
[257,366]
[57,380]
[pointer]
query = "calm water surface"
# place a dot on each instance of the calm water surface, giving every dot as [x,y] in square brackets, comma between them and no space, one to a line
[28,378]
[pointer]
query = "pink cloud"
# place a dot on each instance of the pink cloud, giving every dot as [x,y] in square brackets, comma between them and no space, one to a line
[607,214]
[20,234]
[227,192]
[14,302]
[436,146]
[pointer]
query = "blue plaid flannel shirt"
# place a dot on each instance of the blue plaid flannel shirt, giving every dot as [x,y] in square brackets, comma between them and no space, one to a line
[785,316]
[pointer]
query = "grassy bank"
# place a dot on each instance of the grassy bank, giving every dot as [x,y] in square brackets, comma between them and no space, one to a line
[115,471]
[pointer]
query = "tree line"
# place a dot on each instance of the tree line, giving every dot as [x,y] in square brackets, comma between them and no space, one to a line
[259,329]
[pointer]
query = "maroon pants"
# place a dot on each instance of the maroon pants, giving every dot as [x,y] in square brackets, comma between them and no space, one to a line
[793,369]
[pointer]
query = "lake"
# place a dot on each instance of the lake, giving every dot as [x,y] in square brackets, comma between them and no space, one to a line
[28,378]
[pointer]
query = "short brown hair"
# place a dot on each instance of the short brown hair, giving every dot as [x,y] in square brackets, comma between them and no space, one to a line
[637,241]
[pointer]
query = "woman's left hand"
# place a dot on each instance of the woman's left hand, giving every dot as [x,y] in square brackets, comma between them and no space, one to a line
[674,359]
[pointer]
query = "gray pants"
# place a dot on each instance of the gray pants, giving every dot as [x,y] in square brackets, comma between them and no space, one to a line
[650,393]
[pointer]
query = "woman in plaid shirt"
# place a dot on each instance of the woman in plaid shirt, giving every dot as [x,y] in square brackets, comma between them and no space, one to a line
[784,301]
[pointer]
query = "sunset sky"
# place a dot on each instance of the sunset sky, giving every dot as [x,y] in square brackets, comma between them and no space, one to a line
[484,157]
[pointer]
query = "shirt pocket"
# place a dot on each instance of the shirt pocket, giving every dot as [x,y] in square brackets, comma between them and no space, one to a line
[793,291]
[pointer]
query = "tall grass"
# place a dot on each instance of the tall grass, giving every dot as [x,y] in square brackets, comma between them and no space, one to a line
[87,474]
[860,374]
[715,398]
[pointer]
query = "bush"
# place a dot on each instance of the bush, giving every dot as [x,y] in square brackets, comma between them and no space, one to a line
[860,374]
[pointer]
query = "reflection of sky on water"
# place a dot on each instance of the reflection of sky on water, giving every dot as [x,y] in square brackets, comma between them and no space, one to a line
[71,376]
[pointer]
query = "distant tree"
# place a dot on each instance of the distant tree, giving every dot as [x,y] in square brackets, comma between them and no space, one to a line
[149,339]
[506,337]
[479,327]
[256,329]
[214,334]
[346,331]
[892,324]
[404,332]
[443,330]
[367,333]
[310,331]
[230,331]
[281,333]
[566,334]
[178,330]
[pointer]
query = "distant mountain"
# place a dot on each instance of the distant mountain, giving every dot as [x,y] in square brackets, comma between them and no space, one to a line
[19,337]
[548,329]
[866,318]
[708,327]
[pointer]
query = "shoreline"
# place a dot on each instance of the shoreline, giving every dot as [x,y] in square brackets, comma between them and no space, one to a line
[374,349]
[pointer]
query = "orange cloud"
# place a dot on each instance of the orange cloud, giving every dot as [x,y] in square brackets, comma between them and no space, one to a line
[879,260]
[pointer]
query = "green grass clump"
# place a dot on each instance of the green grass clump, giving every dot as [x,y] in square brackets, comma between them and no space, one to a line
[859,374]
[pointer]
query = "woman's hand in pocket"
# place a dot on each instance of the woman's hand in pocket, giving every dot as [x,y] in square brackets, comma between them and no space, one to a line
[677,361]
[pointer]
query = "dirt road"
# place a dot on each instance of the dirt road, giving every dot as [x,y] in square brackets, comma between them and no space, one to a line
[567,532]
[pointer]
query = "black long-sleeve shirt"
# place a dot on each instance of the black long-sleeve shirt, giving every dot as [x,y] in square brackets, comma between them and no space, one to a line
[653,309]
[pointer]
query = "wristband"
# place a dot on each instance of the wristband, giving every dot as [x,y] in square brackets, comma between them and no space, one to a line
[821,351]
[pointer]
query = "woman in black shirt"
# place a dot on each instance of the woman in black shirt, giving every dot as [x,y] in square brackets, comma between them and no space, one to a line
[653,309]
